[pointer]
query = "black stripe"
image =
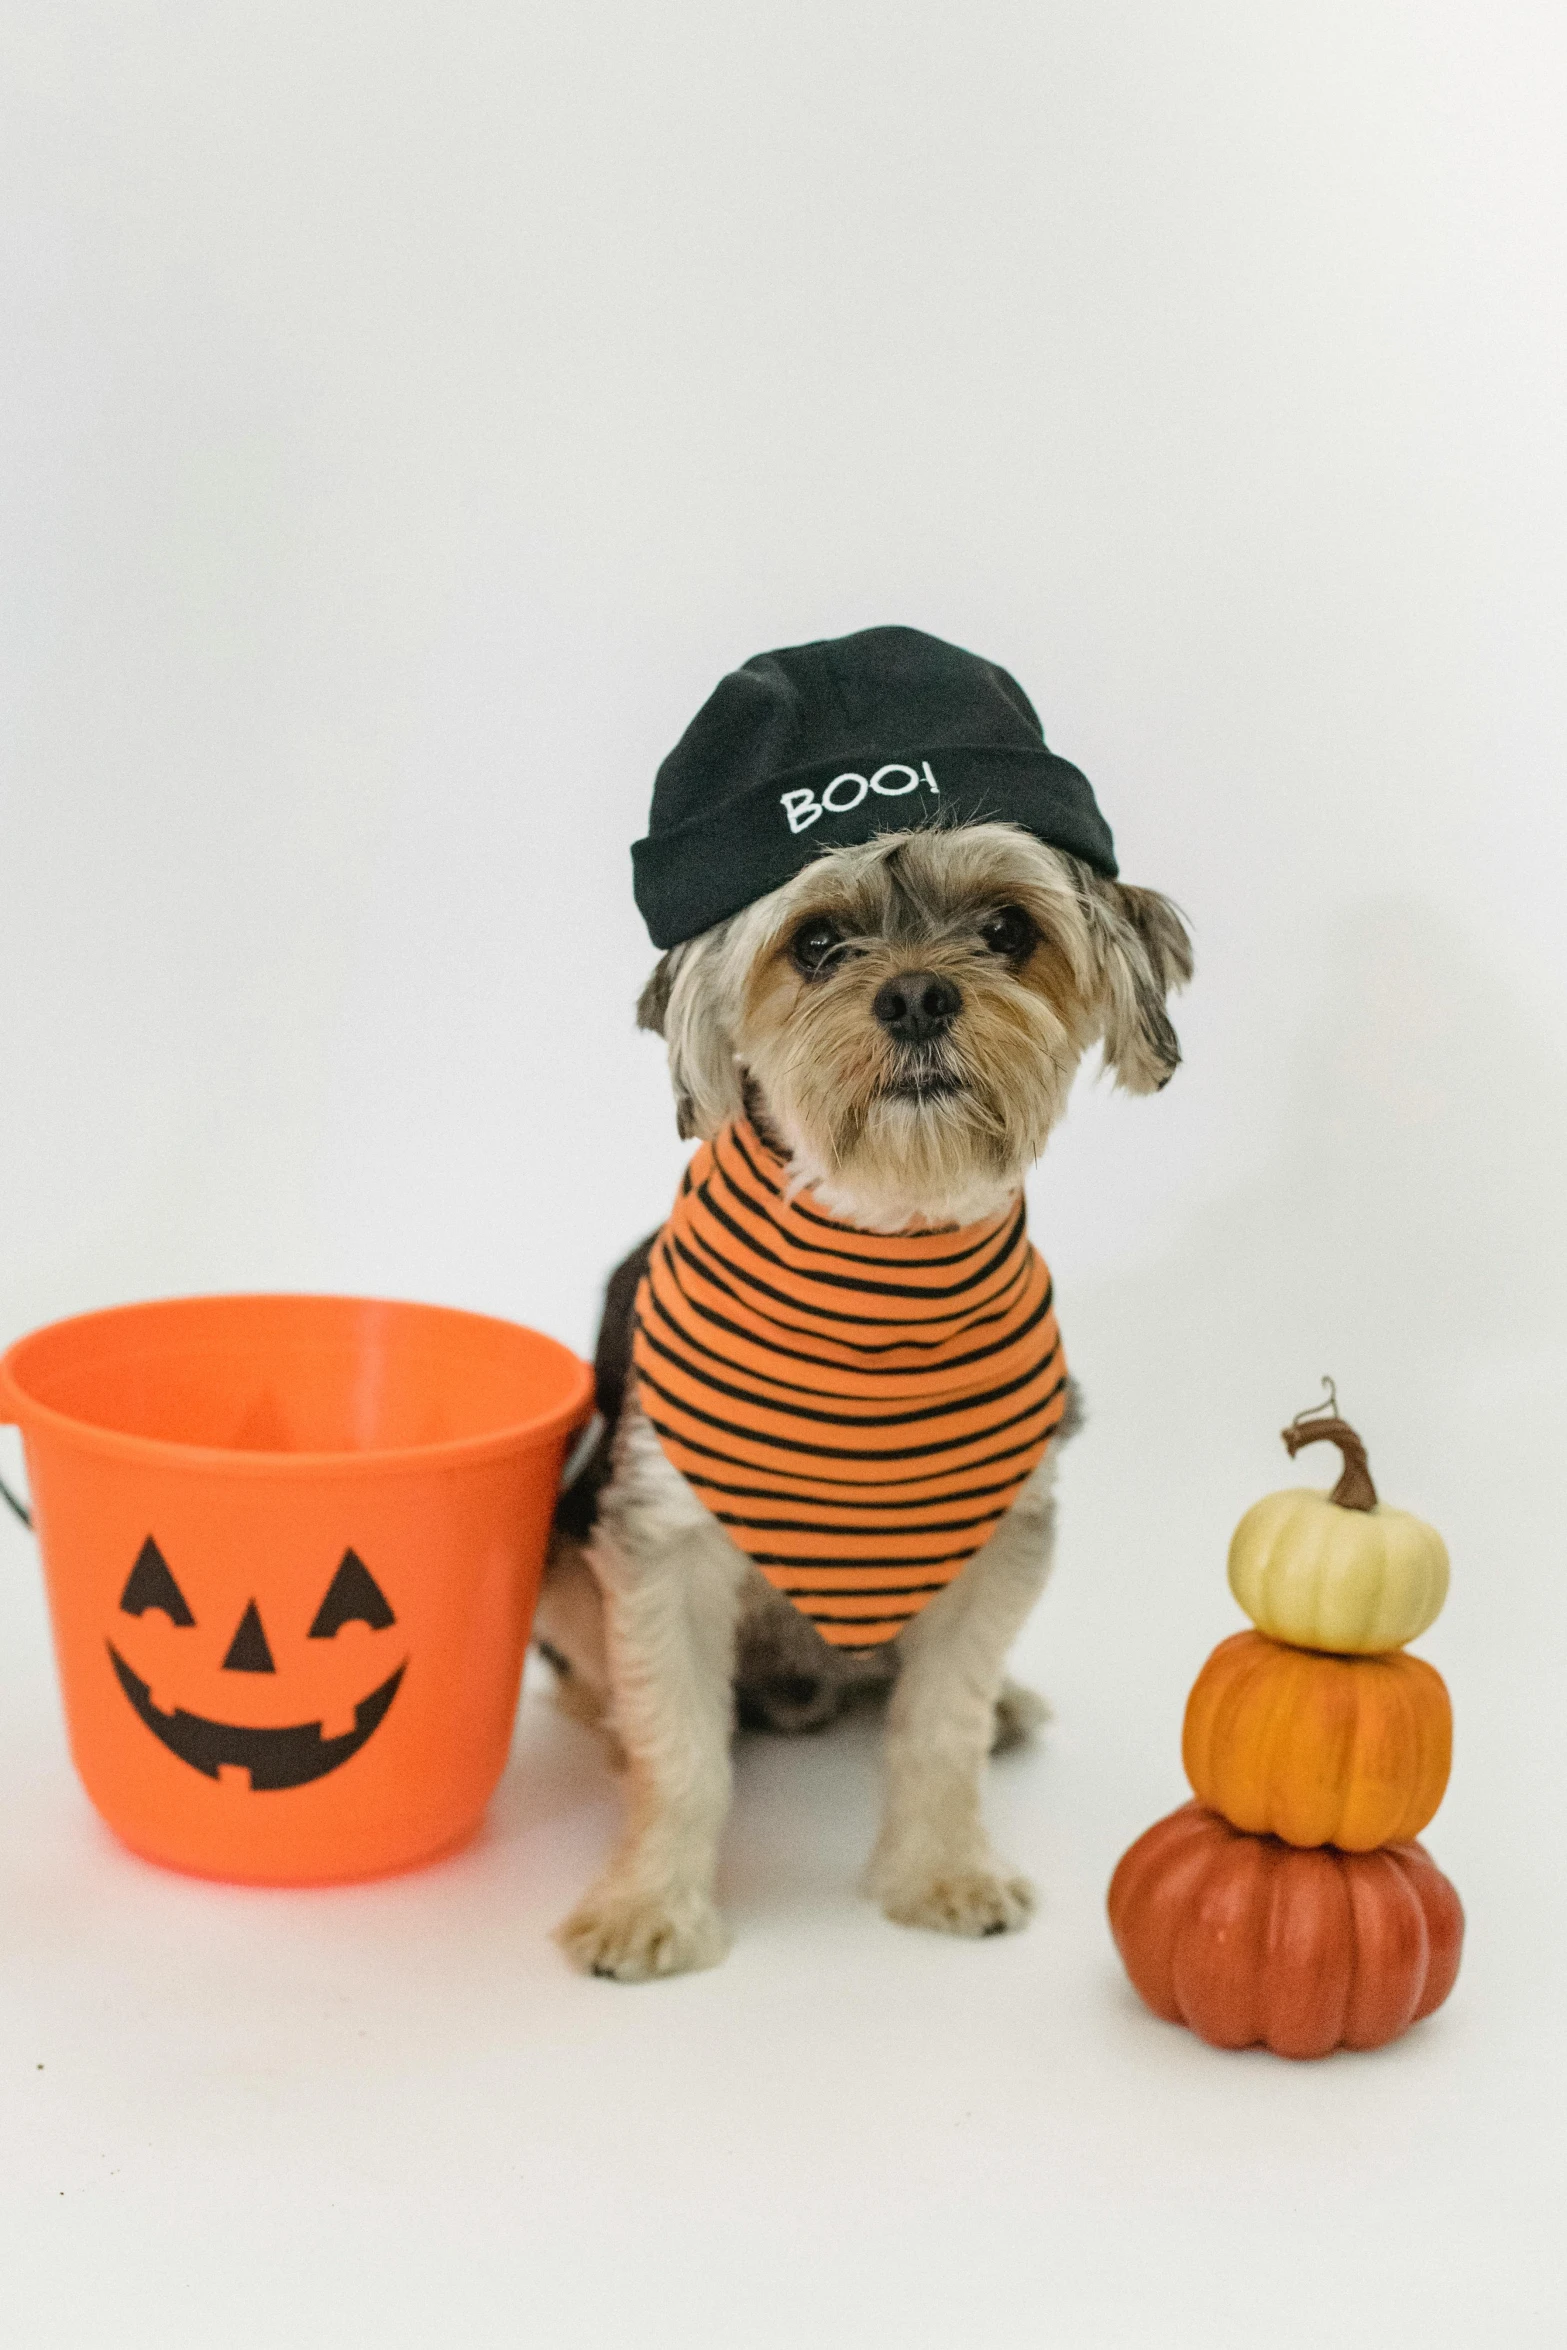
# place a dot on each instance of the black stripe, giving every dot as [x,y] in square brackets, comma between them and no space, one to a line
[861,1623]
[853,1486]
[835,1224]
[732,1134]
[853,1371]
[890,1591]
[910,1292]
[856,1485]
[702,1266]
[815,1526]
[781,1297]
[818,1566]
[856,1420]
[694,1271]
[943,1500]
[651,1306]
[1001,1239]
[849,1256]
[834,1452]
[735,1134]
[981,1354]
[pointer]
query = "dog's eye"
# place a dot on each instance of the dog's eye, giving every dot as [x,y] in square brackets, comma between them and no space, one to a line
[1009,932]
[814,944]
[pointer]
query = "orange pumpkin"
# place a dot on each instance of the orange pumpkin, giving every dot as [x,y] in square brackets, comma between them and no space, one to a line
[1246,1939]
[1346,1750]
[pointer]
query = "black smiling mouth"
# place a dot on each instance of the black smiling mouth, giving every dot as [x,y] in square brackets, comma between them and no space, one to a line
[290,1757]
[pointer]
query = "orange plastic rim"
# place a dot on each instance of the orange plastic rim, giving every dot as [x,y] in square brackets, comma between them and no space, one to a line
[292,1547]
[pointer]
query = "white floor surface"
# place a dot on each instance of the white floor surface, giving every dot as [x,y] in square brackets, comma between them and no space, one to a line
[390,2115]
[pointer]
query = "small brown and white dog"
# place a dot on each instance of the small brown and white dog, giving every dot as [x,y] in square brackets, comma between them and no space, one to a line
[795,1013]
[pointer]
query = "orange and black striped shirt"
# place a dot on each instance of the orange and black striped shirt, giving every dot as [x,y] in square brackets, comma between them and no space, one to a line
[858,1409]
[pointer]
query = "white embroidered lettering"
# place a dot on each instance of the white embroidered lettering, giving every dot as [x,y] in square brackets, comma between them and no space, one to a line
[846,791]
[895,791]
[801,808]
[842,807]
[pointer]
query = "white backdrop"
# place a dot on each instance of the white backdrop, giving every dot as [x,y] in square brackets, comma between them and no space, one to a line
[409,412]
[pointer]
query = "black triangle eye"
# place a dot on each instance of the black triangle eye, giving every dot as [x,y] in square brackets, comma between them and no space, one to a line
[353,1597]
[150,1584]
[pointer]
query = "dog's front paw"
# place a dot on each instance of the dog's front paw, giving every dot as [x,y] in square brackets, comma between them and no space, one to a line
[960,1901]
[633,1936]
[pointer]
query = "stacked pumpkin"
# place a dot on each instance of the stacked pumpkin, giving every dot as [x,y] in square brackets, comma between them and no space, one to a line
[1289,1904]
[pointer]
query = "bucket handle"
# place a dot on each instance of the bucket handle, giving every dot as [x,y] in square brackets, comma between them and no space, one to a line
[20,1507]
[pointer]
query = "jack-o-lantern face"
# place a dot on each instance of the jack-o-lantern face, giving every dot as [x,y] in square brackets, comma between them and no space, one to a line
[289,1755]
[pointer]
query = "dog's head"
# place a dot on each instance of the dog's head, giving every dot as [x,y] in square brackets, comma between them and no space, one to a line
[905,1016]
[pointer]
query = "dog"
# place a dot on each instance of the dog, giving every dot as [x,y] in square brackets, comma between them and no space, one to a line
[899,1022]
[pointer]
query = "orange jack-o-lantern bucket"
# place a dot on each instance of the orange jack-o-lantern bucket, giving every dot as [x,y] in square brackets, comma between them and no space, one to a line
[292,1547]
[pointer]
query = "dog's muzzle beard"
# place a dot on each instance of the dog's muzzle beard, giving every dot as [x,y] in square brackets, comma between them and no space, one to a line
[922,1077]
[918,1122]
[925,1126]
[917,1081]
[915,1011]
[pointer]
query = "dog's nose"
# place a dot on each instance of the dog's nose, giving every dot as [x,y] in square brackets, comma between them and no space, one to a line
[917,1006]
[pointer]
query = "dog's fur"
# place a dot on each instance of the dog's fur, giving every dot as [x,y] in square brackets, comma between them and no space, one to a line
[656,1622]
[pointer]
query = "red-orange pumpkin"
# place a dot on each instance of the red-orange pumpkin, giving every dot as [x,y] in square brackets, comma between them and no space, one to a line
[1247,1939]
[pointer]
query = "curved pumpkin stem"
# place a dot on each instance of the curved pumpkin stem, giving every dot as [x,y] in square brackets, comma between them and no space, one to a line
[1354,1490]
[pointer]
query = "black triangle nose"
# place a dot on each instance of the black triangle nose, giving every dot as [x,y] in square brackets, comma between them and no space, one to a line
[916,1006]
[248,1650]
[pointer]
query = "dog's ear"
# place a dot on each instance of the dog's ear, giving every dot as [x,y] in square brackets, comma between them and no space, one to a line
[683,1002]
[653,1002]
[1143,953]
[652,1014]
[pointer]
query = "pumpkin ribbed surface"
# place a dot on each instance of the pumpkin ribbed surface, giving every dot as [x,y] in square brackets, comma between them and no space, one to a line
[1351,1751]
[1246,1939]
[1356,1581]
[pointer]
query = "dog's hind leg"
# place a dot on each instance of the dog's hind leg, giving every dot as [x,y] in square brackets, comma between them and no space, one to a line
[671,1579]
[933,1864]
[1019,1713]
[568,1632]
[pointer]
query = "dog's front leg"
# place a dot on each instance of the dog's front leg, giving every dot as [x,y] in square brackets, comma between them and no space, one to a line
[933,1864]
[671,1595]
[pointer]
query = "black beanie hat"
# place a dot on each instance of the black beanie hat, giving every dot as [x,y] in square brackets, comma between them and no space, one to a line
[806,748]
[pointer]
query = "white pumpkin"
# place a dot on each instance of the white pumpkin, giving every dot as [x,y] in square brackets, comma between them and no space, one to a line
[1337,1571]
